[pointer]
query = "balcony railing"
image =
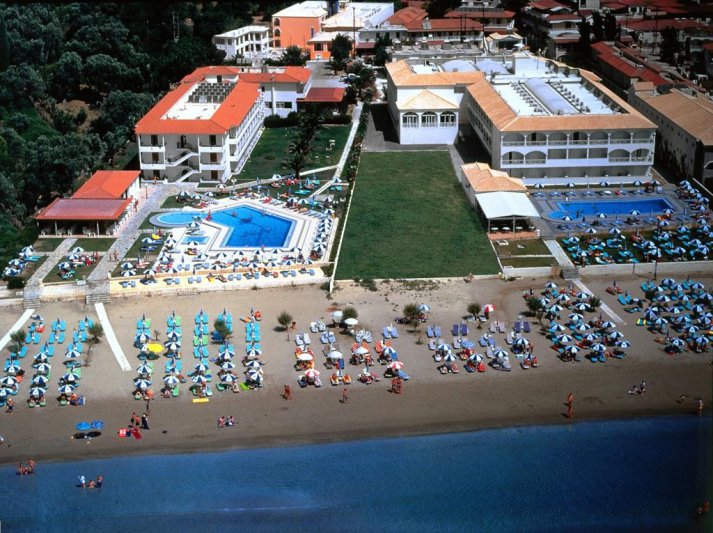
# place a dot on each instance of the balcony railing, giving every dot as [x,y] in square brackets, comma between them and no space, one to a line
[578,142]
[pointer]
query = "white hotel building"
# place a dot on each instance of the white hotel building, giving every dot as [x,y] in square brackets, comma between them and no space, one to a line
[206,128]
[538,119]
[248,41]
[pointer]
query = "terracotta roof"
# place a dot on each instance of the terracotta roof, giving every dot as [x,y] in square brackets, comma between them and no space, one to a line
[289,75]
[107,184]
[443,25]
[692,114]
[632,71]
[708,46]
[658,25]
[402,75]
[564,39]
[324,94]
[482,178]
[407,14]
[546,5]
[473,14]
[230,113]
[427,100]
[202,73]
[499,112]
[84,209]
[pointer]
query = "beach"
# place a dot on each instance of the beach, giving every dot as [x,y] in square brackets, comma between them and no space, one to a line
[430,403]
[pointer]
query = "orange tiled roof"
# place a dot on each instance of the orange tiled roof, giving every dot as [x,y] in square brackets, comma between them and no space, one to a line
[482,178]
[289,75]
[202,73]
[403,76]
[406,15]
[84,209]
[107,184]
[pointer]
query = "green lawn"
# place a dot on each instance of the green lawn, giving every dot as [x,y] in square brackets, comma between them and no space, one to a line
[47,245]
[271,149]
[36,124]
[101,244]
[172,203]
[517,248]
[410,219]
[524,262]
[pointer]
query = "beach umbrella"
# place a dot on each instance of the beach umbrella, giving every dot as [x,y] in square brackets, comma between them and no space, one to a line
[668,282]
[623,344]
[521,342]
[614,335]
[389,352]
[72,354]
[615,231]
[40,357]
[227,365]
[172,346]
[443,347]
[171,381]
[601,215]
[590,337]
[704,321]
[581,307]
[583,296]
[155,347]
[72,257]
[37,392]
[351,322]
[201,368]
[227,378]
[40,380]
[598,347]
[544,301]
[66,389]
[128,273]
[659,321]
[557,327]
[606,325]
[69,377]
[582,327]
[563,298]
[199,379]
[335,354]
[575,317]
[142,384]
[253,353]
[41,368]
[562,339]
[64,265]
[697,285]
[555,308]
[424,308]
[173,335]
[500,353]
[254,375]
[635,212]
[361,350]
[127,265]
[448,358]
[591,231]
[566,218]
[489,308]
[144,369]
[311,373]
[304,356]
[77,250]
[571,350]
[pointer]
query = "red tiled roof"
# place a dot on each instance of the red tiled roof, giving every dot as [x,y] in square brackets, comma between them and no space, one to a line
[366,46]
[546,5]
[202,72]
[324,94]
[290,75]
[708,46]
[84,209]
[444,24]
[107,184]
[566,40]
[472,14]
[658,25]
[407,14]
[230,113]
[632,71]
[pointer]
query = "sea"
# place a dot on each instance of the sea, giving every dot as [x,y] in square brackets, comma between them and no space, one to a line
[643,474]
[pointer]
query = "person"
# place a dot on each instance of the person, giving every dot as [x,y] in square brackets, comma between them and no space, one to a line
[699,406]
[20,469]
[166,392]
[30,466]
[10,405]
[287,395]
[83,481]
[145,421]
[634,390]
[100,481]
[221,422]
[231,420]
[92,484]
[345,396]
[2,440]
[570,403]
[642,387]
[73,399]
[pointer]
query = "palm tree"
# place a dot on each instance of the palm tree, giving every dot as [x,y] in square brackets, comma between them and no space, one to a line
[285,319]
[18,338]
[473,309]
[536,307]
[350,312]
[411,314]
[222,329]
[96,332]
[595,302]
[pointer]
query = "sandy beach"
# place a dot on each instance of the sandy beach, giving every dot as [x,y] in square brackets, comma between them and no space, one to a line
[430,403]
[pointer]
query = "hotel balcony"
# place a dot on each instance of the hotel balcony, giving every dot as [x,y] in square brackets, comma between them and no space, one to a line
[152,148]
[180,159]
[575,162]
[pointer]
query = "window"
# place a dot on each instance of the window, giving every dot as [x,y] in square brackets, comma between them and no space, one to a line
[211,140]
[276,22]
[284,105]
[448,119]
[429,120]
[410,120]
[213,157]
[311,32]
[214,175]
[317,47]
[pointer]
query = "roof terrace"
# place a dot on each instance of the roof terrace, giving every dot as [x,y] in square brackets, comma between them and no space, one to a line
[200,102]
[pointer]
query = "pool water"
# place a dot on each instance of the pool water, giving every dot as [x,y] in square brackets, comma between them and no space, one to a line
[200,239]
[177,218]
[252,227]
[580,208]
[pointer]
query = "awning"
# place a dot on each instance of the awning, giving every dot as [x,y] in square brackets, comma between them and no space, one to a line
[506,205]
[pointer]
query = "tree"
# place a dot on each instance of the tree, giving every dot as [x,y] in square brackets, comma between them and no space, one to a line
[299,149]
[670,45]
[474,309]
[412,315]
[20,85]
[67,75]
[611,30]
[438,8]
[536,307]
[222,329]
[96,332]
[350,312]
[585,39]
[365,78]
[285,320]
[597,27]
[595,302]
[341,48]
[294,56]
[4,44]
[120,111]
[381,54]
[17,337]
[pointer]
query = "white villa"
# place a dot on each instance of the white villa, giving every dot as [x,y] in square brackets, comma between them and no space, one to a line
[538,119]
[248,41]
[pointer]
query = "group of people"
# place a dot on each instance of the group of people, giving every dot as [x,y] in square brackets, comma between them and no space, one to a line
[639,390]
[92,484]
[24,470]
[140,421]
[226,422]
[396,385]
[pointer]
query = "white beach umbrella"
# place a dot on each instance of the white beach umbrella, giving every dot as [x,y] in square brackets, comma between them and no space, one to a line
[40,380]
[66,389]
[311,373]
[37,392]
[335,354]
[200,379]
[171,381]
[142,384]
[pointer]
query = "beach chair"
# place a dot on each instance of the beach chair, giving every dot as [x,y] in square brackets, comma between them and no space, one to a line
[133,284]
[493,328]
[238,276]
[432,344]
[517,326]
[456,343]
[526,326]
[190,279]
[51,338]
[483,341]
[508,338]
[464,329]
[501,327]
[176,281]
[455,330]
[386,333]
[429,332]
[437,332]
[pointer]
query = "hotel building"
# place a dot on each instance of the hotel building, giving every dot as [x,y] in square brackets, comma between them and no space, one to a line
[249,41]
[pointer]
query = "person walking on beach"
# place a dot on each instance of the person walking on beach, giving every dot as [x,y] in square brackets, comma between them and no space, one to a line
[287,395]
[145,421]
[345,395]
[570,403]
[10,405]
[699,406]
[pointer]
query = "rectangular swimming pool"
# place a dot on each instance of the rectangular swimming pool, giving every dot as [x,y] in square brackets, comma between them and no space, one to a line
[200,239]
[612,207]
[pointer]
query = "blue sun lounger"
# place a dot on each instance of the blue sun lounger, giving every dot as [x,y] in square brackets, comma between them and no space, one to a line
[429,332]
[437,331]
[454,330]
[394,332]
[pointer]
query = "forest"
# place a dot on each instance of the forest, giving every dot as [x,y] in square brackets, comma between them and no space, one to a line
[74,79]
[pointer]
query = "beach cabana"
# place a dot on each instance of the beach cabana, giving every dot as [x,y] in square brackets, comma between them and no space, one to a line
[503,207]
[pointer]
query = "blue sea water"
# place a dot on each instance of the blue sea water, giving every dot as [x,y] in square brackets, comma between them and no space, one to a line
[612,207]
[624,475]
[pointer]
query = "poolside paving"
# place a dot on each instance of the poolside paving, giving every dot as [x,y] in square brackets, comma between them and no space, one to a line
[53,258]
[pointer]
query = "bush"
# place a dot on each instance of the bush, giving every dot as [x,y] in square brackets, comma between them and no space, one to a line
[276,121]
[337,119]
[15,282]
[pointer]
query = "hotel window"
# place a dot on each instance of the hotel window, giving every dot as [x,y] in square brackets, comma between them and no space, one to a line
[211,140]
[284,105]
[448,119]
[429,120]
[318,47]
[410,120]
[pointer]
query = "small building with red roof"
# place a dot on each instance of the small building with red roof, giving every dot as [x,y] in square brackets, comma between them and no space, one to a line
[97,207]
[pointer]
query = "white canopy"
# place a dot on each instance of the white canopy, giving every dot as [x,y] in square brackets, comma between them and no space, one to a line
[506,205]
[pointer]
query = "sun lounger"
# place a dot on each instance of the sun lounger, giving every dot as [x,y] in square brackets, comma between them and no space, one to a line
[489,352]
[517,326]
[456,344]
[464,329]
[313,327]
[386,333]
[483,341]
[432,344]
[624,300]
[501,327]
[508,337]
[394,332]
[493,327]
[429,332]
[526,327]
[454,330]
[437,331]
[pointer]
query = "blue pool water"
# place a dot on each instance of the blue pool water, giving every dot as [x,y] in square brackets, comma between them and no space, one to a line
[200,239]
[626,475]
[249,227]
[610,207]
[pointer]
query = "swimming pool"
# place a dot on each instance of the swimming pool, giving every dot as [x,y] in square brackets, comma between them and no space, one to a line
[200,239]
[247,227]
[581,208]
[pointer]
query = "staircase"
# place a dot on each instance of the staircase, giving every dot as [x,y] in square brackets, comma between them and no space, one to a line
[31,297]
[97,292]
[570,273]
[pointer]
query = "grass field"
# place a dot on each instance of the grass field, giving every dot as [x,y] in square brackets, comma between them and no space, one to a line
[47,244]
[101,244]
[410,219]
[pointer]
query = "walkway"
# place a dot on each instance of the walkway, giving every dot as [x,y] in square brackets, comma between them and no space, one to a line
[111,338]
[604,307]
[53,258]
[558,253]
[16,326]
[130,231]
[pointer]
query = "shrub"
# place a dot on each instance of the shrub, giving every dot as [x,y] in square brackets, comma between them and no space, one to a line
[15,282]
[276,121]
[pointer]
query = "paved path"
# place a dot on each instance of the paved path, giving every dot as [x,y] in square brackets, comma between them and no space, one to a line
[604,307]
[558,253]
[53,258]
[17,325]
[130,231]
[111,338]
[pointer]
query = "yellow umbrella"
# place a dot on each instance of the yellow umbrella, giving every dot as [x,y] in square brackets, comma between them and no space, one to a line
[155,347]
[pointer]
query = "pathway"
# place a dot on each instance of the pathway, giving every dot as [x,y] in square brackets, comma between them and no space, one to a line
[53,258]
[111,338]
[604,307]
[17,325]
[558,253]
[130,231]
